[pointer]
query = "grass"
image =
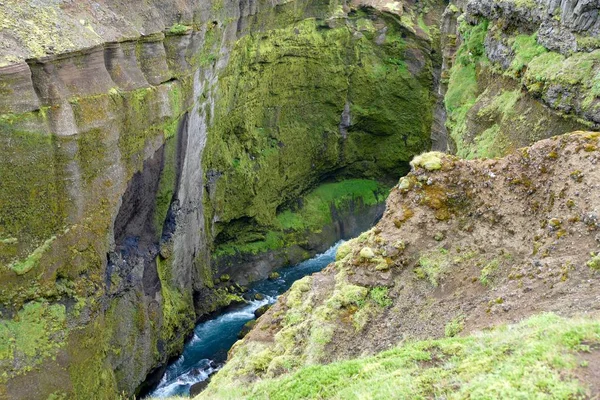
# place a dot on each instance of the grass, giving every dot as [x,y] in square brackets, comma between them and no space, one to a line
[454,327]
[316,206]
[533,359]
[314,213]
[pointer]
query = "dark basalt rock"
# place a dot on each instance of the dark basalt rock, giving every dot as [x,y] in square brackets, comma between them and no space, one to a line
[260,311]
[197,388]
[246,329]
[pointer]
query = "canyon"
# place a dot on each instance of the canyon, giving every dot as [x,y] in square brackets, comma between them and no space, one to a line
[160,156]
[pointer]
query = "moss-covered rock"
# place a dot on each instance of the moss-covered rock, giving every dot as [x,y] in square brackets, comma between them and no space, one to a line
[509,86]
[110,201]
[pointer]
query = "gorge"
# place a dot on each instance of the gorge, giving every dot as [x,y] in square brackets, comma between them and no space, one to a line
[161,156]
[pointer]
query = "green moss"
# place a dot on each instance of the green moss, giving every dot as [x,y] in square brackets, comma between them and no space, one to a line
[179,29]
[343,251]
[317,205]
[487,273]
[454,327]
[594,262]
[433,265]
[32,171]
[37,332]
[314,213]
[274,139]
[521,361]
[380,295]
[526,49]
[430,161]
[23,267]
[463,86]
[346,295]
[177,308]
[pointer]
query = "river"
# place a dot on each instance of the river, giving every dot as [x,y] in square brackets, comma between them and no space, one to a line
[206,352]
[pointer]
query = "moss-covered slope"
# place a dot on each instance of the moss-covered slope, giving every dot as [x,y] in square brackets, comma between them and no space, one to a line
[521,72]
[544,354]
[344,97]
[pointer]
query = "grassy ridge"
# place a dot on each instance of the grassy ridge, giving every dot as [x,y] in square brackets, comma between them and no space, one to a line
[534,359]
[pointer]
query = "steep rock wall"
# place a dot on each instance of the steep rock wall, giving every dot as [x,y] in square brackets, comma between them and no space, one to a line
[361,85]
[521,72]
[155,135]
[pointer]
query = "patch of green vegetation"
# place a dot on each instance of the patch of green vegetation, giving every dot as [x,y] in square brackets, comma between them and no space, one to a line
[32,169]
[454,327]
[178,29]
[532,359]
[431,161]
[526,48]
[23,267]
[433,265]
[272,241]
[317,205]
[274,139]
[380,295]
[177,307]
[315,211]
[462,85]
[37,332]
[487,273]
[594,262]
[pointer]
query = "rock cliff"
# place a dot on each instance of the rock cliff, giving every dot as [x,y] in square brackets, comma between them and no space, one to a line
[519,71]
[147,145]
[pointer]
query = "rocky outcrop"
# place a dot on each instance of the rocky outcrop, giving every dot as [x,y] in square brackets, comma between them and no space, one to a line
[544,53]
[463,246]
[140,139]
[558,21]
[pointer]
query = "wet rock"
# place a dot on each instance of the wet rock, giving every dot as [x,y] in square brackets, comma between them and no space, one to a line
[260,311]
[273,276]
[246,329]
[197,388]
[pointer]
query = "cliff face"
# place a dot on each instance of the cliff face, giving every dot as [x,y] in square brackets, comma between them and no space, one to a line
[519,72]
[463,246]
[136,138]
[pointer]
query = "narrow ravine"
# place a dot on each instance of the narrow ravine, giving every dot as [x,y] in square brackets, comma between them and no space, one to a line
[206,352]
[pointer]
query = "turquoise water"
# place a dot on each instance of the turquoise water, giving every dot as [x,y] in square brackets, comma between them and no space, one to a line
[206,352]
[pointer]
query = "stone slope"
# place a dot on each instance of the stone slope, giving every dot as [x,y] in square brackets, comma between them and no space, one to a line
[463,246]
